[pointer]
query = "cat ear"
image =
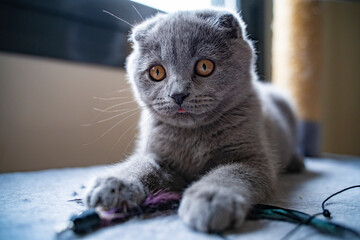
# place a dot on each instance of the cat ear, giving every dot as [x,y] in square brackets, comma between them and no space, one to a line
[231,25]
[138,35]
[140,32]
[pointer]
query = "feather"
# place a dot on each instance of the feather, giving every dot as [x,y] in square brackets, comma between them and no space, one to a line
[282,214]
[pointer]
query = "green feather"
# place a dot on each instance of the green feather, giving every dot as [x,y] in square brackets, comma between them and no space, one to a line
[282,214]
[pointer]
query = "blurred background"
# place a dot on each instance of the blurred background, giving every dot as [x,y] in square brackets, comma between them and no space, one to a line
[65,102]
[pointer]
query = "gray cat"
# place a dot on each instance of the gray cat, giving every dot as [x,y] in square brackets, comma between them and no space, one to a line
[208,128]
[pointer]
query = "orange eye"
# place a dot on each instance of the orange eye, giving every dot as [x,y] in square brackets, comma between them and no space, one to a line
[204,67]
[157,73]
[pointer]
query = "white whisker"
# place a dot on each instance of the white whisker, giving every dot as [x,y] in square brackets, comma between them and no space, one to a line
[118,18]
[112,111]
[112,98]
[119,104]
[123,90]
[119,91]
[107,119]
[105,111]
[123,134]
[132,139]
[221,115]
[137,12]
[218,113]
[102,135]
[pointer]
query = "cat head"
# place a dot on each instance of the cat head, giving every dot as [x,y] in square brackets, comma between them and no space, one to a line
[190,67]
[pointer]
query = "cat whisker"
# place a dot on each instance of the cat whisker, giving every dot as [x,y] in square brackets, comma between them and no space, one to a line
[132,139]
[110,111]
[119,104]
[123,134]
[123,90]
[118,18]
[116,98]
[218,113]
[138,12]
[105,133]
[107,119]
[118,91]
[107,99]
[222,115]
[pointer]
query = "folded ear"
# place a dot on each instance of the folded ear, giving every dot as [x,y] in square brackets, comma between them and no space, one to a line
[232,26]
[138,35]
[140,32]
[228,22]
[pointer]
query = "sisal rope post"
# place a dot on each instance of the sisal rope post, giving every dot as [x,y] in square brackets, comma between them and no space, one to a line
[297,63]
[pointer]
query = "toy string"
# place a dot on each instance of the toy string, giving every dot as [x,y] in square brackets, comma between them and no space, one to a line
[90,219]
[326,212]
[336,228]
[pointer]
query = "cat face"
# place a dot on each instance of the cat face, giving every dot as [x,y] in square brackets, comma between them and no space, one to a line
[188,68]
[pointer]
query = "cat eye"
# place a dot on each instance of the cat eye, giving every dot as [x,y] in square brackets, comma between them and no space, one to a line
[157,73]
[204,67]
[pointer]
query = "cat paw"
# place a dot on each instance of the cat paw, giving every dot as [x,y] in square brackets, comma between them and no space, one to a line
[110,192]
[212,210]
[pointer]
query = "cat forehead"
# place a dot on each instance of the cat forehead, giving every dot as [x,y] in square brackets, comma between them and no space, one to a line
[187,24]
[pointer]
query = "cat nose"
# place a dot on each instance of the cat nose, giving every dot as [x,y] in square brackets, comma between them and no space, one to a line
[179,97]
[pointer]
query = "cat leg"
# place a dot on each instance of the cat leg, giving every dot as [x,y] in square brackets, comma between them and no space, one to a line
[221,199]
[128,182]
[296,164]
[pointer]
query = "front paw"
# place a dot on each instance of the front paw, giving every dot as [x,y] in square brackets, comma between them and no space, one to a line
[109,192]
[212,210]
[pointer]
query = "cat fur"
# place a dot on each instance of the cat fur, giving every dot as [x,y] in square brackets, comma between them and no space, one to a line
[237,135]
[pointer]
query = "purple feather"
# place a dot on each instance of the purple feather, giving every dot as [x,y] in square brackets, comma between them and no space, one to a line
[159,201]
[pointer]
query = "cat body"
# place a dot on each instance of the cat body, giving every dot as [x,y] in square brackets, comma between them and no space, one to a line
[207,125]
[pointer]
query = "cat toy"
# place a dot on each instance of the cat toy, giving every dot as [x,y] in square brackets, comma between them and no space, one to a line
[91,219]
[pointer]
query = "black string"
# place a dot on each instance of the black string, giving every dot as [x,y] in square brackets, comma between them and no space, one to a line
[295,229]
[326,213]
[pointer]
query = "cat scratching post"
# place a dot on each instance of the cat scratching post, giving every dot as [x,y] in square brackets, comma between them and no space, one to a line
[297,63]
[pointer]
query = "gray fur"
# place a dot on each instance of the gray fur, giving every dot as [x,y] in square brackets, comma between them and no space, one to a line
[236,136]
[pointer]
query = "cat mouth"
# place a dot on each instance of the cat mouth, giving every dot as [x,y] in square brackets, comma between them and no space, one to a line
[181,110]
